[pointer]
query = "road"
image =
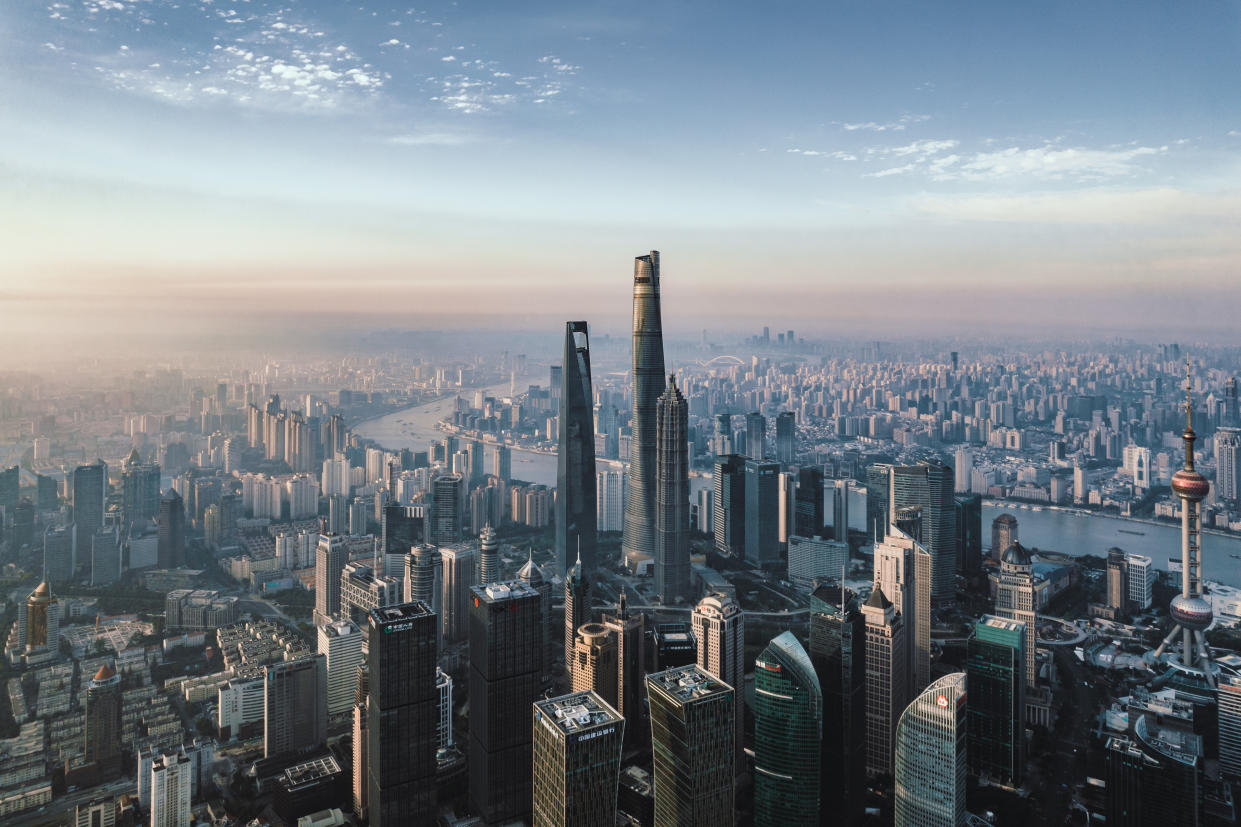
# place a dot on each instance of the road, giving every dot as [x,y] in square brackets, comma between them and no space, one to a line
[61,810]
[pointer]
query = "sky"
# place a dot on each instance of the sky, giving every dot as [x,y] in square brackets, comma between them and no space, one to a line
[834,166]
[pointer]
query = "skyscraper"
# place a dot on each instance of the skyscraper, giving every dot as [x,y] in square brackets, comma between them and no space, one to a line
[330,557]
[340,643]
[171,783]
[576,517]
[1230,726]
[576,765]
[1003,534]
[838,652]
[729,481]
[808,519]
[90,490]
[969,533]
[786,437]
[594,665]
[762,512]
[722,439]
[638,541]
[886,679]
[719,627]
[930,757]
[403,714]
[840,510]
[533,576]
[506,666]
[995,664]
[489,556]
[630,632]
[1228,464]
[447,502]
[672,495]
[755,435]
[930,486]
[401,529]
[103,720]
[903,570]
[576,610]
[878,494]
[295,705]
[139,490]
[788,721]
[1014,600]
[457,576]
[692,746]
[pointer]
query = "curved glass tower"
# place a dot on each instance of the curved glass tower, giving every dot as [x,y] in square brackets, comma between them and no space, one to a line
[930,757]
[788,720]
[638,541]
[576,516]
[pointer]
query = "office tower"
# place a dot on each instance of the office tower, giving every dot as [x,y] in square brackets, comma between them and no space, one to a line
[576,610]
[930,485]
[638,542]
[611,488]
[294,705]
[594,664]
[502,463]
[47,496]
[840,510]
[139,490]
[1228,464]
[1117,581]
[812,558]
[808,518]
[58,562]
[533,576]
[489,556]
[361,740]
[786,437]
[672,495]
[672,645]
[1140,576]
[38,620]
[340,643]
[1014,599]
[102,727]
[1191,613]
[1081,483]
[457,575]
[506,666]
[692,747]
[629,631]
[838,652]
[170,790]
[422,575]
[730,522]
[105,557]
[930,757]
[403,714]
[995,665]
[444,517]
[762,510]
[969,533]
[788,733]
[887,667]
[443,718]
[755,435]
[576,766]
[719,627]
[90,491]
[171,548]
[903,571]
[878,494]
[331,554]
[576,518]
[722,440]
[1003,535]
[363,589]
[704,519]
[1230,726]
[963,470]
[10,485]
[1232,412]
[1151,781]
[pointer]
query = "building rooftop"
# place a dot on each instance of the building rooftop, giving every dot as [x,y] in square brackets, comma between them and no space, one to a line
[577,712]
[508,590]
[1000,623]
[310,772]
[401,611]
[686,683]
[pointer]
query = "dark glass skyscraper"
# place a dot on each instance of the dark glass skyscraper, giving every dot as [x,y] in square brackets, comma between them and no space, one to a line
[969,533]
[638,541]
[401,528]
[170,548]
[90,489]
[730,504]
[402,713]
[692,748]
[671,495]
[762,512]
[930,485]
[995,707]
[576,533]
[808,519]
[577,755]
[838,652]
[788,715]
[786,437]
[506,665]
[755,435]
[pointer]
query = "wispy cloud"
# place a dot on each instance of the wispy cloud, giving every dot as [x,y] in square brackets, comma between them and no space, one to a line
[431,139]
[1052,163]
[1089,206]
[899,125]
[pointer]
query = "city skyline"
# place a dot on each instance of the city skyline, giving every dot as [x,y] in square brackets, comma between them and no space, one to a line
[213,175]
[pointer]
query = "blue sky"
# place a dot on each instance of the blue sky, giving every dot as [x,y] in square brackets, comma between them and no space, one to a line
[513,157]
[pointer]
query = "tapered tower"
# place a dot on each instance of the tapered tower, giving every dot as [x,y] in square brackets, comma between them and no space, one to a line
[1191,613]
[638,541]
[672,495]
[575,473]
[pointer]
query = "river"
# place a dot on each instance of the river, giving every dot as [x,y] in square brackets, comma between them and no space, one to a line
[1063,531]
